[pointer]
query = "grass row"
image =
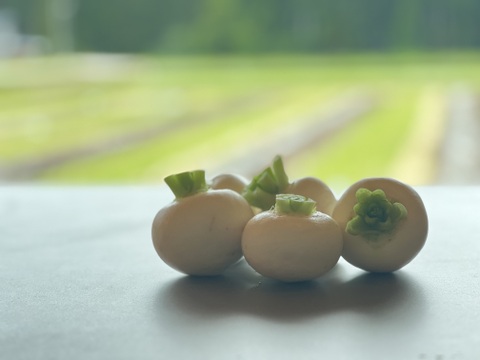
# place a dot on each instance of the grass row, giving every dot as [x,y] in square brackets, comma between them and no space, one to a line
[43,121]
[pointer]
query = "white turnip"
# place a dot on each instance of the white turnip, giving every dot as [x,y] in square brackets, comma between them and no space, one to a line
[384,224]
[233,182]
[292,241]
[200,232]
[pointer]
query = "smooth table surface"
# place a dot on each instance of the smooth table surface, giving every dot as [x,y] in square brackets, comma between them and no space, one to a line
[79,279]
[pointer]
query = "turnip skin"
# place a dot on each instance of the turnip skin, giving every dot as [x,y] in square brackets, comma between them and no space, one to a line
[392,250]
[316,190]
[233,182]
[201,234]
[292,248]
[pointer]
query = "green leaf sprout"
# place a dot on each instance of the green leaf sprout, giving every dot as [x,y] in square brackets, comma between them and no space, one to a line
[374,214]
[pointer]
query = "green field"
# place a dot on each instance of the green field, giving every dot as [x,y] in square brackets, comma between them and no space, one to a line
[217,107]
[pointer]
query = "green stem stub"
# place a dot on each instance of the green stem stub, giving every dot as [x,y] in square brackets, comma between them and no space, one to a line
[374,214]
[187,183]
[290,204]
[263,188]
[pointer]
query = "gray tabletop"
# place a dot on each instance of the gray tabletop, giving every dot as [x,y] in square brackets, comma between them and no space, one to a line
[79,279]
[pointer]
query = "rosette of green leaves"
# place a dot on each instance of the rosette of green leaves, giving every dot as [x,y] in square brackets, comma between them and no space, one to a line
[374,214]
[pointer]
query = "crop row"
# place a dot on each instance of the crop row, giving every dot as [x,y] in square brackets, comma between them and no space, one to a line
[204,112]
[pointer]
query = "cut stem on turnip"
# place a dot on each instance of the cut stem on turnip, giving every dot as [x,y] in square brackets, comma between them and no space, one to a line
[273,180]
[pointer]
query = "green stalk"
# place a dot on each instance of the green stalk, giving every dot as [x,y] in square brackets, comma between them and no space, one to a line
[279,173]
[187,183]
[265,186]
[290,204]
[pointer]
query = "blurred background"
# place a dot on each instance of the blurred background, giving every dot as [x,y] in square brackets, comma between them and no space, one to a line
[120,91]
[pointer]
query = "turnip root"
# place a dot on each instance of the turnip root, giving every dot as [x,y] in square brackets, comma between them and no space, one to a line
[315,189]
[292,241]
[200,232]
[233,182]
[384,224]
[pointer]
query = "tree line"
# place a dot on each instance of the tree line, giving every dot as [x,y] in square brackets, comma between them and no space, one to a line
[250,26]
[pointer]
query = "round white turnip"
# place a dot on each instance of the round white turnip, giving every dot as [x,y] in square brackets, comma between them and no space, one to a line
[292,241]
[384,224]
[200,232]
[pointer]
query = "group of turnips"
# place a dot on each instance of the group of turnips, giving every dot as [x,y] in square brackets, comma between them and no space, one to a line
[288,231]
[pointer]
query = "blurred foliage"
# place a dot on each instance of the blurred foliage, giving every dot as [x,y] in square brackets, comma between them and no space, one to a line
[251,26]
[208,111]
